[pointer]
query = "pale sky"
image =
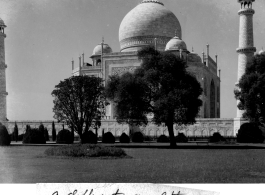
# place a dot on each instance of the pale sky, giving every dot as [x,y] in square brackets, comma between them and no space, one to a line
[44,35]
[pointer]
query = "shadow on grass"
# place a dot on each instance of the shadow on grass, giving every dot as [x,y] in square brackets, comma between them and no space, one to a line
[156,145]
[210,146]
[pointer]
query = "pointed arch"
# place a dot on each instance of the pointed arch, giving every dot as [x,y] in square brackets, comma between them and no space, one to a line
[212,100]
[245,4]
[98,63]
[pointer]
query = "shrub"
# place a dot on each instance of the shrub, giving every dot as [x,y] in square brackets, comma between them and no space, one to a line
[64,137]
[20,137]
[53,131]
[250,133]
[124,138]
[46,134]
[262,128]
[148,138]
[41,128]
[73,135]
[89,138]
[34,136]
[217,137]
[85,150]
[181,138]
[12,137]
[15,132]
[28,128]
[108,138]
[4,136]
[138,137]
[163,139]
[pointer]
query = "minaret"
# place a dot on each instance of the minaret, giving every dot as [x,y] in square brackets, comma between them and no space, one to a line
[3,67]
[246,47]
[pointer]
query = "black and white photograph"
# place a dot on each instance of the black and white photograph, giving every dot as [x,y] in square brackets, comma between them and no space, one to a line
[132,94]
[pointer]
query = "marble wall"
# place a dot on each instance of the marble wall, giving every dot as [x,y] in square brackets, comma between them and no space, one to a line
[203,127]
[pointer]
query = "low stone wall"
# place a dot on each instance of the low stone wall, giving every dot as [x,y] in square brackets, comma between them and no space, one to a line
[203,127]
[33,124]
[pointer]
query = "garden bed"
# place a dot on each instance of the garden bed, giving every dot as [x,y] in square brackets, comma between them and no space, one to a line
[86,151]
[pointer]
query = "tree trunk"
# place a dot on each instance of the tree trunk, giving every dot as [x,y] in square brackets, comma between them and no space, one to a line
[73,135]
[81,138]
[171,135]
[80,133]
[96,135]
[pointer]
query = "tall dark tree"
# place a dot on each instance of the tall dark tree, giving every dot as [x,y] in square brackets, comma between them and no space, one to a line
[251,90]
[28,128]
[46,134]
[161,87]
[53,131]
[15,132]
[41,128]
[80,103]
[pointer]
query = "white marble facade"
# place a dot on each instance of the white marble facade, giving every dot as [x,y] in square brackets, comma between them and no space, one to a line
[203,127]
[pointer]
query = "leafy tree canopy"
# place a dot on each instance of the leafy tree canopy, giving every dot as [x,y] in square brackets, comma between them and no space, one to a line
[251,90]
[161,87]
[79,102]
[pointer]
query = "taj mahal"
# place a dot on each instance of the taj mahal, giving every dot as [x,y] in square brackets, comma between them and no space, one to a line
[151,23]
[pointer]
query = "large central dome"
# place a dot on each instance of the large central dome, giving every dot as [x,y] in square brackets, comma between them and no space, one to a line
[148,21]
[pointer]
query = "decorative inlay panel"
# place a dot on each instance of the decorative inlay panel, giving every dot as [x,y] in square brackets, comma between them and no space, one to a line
[144,40]
[120,70]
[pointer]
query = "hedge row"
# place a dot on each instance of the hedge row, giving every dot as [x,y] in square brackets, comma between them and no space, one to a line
[248,133]
[4,136]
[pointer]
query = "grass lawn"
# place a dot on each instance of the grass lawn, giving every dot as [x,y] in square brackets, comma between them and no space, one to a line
[28,164]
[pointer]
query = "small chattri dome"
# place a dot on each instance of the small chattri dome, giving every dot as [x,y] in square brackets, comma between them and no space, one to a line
[194,57]
[262,52]
[2,23]
[106,49]
[176,44]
